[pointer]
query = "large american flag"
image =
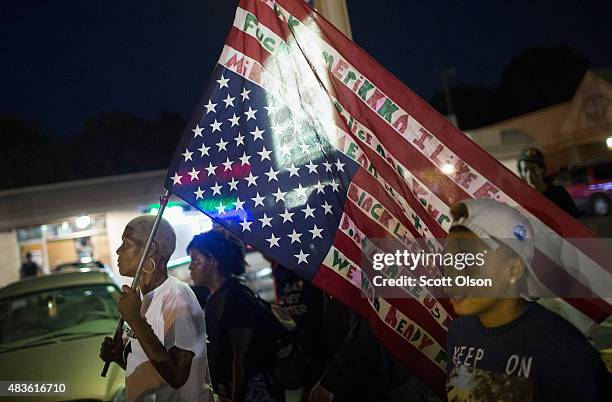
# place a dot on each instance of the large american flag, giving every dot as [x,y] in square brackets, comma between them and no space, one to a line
[303,145]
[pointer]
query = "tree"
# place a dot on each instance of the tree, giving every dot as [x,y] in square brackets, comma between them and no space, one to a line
[539,77]
[29,155]
[473,105]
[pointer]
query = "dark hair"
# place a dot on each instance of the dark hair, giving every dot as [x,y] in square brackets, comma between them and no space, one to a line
[226,248]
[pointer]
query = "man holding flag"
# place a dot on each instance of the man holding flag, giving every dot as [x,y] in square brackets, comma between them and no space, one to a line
[304,146]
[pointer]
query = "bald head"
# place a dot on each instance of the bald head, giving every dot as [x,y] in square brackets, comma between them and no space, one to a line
[140,228]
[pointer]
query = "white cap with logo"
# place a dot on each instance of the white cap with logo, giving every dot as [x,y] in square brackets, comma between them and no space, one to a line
[489,219]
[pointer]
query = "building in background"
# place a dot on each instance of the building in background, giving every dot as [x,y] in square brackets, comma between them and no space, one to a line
[82,221]
[571,132]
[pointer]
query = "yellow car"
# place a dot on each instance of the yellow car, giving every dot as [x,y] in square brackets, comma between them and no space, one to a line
[51,329]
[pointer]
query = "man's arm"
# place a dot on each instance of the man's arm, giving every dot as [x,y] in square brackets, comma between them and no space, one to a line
[241,339]
[173,365]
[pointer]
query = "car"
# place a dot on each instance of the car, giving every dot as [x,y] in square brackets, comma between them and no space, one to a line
[589,184]
[51,329]
[82,266]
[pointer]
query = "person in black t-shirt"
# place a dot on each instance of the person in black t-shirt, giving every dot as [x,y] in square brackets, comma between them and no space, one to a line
[532,169]
[503,346]
[304,303]
[238,358]
[29,267]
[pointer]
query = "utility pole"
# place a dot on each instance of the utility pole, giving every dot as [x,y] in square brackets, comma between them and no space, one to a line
[336,12]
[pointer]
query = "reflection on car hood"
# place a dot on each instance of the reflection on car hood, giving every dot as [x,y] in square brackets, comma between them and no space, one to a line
[75,363]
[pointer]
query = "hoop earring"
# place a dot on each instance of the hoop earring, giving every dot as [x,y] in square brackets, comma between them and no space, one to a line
[154,267]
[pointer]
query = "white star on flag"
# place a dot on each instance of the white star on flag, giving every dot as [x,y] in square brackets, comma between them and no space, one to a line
[223,82]
[257,133]
[285,149]
[245,159]
[234,120]
[312,168]
[199,193]
[258,200]
[216,189]
[301,191]
[210,107]
[308,211]
[334,185]
[316,232]
[273,241]
[239,139]
[250,114]
[246,225]
[293,170]
[302,257]
[305,148]
[216,126]
[204,150]
[229,101]
[320,187]
[227,164]
[286,216]
[220,209]
[232,184]
[221,144]
[295,237]
[197,131]
[252,180]
[270,109]
[176,179]
[328,166]
[339,166]
[279,195]
[271,175]
[265,221]
[211,169]
[327,208]
[245,94]
[265,154]
[187,155]
[239,204]
[194,174]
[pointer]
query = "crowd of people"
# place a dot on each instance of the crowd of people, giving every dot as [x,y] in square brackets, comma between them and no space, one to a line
[222,346]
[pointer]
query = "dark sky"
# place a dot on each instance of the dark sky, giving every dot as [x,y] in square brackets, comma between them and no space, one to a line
[63,60]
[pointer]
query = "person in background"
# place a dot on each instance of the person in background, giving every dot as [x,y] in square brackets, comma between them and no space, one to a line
[304,303]
[503,346]
[201,293]
[532,169]
[165,358]
[29,267]
[359,367]
[240,364]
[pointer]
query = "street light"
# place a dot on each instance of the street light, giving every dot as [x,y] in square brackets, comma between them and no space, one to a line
[609,143]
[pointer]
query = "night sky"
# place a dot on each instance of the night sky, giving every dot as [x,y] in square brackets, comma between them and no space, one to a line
[63,60]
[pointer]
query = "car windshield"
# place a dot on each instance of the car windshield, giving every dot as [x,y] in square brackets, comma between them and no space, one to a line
[58,313]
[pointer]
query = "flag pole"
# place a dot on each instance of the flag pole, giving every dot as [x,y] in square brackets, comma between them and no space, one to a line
[163,201]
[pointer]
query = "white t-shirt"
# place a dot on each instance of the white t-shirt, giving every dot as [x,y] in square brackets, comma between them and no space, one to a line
[177,319]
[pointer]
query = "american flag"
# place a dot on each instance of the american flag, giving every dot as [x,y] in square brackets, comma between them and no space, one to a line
[303,145]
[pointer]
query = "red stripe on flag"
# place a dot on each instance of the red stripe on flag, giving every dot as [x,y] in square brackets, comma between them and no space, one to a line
[412,358]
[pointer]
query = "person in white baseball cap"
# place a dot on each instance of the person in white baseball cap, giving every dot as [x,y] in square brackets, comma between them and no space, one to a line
[502,345]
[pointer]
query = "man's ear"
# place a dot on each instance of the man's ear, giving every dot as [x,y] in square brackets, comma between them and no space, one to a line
[516,269]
